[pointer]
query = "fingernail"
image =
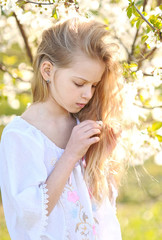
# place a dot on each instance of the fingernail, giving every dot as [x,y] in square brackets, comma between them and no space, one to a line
[100,123]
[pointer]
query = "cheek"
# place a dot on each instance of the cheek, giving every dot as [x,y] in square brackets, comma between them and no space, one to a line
[73,90]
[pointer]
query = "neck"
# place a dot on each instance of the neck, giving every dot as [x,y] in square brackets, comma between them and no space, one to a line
[50,109]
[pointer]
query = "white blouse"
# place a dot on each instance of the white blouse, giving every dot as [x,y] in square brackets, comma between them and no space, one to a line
[27,157]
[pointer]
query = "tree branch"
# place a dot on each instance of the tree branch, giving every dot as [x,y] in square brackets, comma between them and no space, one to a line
[116,37]
[51,3]
[144,4]
[20,26]
[149,108]
[133,44]
[148,75]
[136,35]
[39,3]
[137,31]
[148,55]
[151,26]
[158,3]
[4,69]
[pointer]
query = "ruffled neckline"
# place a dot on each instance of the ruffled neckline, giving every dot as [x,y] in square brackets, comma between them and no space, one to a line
[38,130]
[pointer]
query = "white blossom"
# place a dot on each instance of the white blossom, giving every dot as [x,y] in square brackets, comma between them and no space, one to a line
[139,75]
[158,76]
[8,5]
[141,146]
[157,114]
[152,40]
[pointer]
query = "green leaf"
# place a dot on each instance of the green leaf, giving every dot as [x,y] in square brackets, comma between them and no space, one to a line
[144,14]
[159,137]
[148,29]
[156,126]
[138,23]
[54,13]
[14,81]
[134,20]
[126,65]
[142,99]
[20,3]
[139,3]
[132,65]
[148,46]
[135,11]
[147,103]
[129,12]
[106,21]
[10,60]
[94,12]
[133,74]
[2,86]
[144,38]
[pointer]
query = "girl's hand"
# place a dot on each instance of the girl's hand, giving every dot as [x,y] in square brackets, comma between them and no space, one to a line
[82,137]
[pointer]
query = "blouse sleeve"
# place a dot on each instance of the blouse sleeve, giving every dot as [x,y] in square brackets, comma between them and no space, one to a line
[23,175]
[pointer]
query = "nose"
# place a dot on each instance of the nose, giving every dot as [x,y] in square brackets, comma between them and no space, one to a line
[87,93]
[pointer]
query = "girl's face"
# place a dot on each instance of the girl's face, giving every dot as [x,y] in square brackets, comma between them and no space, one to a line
[72,88]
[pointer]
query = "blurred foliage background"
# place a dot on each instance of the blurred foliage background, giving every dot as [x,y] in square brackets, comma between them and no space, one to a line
[136,26]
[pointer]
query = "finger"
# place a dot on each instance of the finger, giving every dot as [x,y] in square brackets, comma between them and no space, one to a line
[100,123]
[89,126]
[92,132]
[93,140]
[85,122]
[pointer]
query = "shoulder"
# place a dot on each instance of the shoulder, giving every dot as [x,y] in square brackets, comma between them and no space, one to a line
[15,124]
[19,129]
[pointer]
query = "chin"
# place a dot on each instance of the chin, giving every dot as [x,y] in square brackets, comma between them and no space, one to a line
[75,111]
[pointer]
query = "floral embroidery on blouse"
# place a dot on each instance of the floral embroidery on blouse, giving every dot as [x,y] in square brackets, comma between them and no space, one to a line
[83,226]
[72,196]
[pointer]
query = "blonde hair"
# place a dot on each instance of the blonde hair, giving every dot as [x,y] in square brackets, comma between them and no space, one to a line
[59,45]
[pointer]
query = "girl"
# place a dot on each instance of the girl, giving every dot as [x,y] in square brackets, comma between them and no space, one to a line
[55,159]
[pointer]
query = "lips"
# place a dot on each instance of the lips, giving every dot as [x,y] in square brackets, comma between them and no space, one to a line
[82,105]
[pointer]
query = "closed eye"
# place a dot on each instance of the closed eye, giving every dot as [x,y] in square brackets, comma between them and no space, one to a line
[80,85]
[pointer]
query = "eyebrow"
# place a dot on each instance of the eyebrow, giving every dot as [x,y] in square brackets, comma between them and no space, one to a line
[84,79]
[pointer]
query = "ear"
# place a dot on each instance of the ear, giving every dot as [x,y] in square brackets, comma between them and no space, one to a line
[46,69]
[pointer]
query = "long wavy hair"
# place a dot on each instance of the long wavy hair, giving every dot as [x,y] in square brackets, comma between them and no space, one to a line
[59,45]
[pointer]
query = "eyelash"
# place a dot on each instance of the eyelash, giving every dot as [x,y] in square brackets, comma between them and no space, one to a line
[78,85]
